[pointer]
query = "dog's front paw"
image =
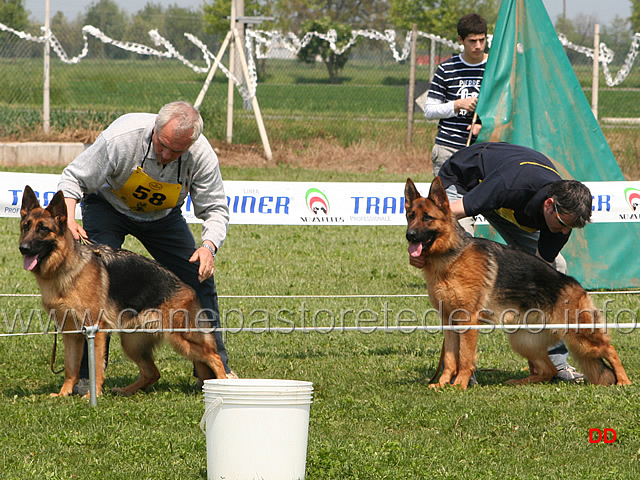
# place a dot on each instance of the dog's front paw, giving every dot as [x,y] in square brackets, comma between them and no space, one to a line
[61,393]
[440,384]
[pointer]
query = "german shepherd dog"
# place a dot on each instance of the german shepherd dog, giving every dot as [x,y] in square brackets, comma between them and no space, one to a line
[474,281]
[85,285]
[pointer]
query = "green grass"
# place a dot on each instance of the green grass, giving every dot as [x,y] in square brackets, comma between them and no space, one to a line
[371,417]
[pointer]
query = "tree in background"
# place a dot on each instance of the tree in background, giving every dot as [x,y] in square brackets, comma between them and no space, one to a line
[149,17]
[112,21]
[69,34]
[580,30]
[318,47]
[14,15]
[217,13]
[440,17]
[291,15]
[172,23]
[177,22]
[635,15]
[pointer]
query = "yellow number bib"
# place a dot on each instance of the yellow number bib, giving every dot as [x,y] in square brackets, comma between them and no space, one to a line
[141,193]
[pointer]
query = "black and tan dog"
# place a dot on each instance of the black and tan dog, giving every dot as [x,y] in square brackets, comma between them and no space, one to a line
[474,281]
[85,285]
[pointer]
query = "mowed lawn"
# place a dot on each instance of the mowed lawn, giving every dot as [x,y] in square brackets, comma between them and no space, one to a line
[371,418]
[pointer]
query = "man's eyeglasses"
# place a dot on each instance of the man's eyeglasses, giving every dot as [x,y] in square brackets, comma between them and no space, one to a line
[560,221]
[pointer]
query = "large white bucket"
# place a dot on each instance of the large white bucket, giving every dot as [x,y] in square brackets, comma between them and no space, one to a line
[256,429]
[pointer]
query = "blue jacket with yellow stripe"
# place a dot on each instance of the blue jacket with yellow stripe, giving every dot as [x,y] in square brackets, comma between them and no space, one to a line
[511,180]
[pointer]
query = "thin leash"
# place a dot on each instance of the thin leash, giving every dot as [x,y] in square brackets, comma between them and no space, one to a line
[53,356]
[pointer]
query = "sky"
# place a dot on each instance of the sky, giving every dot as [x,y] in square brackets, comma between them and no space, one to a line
[71,8]
[603,10]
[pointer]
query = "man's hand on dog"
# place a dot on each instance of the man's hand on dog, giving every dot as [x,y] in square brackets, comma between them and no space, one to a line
[205,257]
[74,227]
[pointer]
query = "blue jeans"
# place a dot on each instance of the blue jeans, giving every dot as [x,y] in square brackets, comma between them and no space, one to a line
[168,240]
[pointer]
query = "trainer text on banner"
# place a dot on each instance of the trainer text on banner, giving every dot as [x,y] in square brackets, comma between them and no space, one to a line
[318,203]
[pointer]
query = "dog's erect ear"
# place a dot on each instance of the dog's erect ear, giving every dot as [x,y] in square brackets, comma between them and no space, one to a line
[410,194]
[58,209]
[438,194]
[29,201]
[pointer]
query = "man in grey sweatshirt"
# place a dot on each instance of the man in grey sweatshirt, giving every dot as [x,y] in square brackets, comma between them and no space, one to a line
[134,180]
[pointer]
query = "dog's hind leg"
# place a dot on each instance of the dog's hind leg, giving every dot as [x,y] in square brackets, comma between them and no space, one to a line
[533,347]
[203,371]
[198,347]
[543,371]
[139,348]
[589,349]
[589,346]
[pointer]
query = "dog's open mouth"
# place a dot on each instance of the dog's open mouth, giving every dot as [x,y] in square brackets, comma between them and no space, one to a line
[415,249]
[30,262]
[418,244]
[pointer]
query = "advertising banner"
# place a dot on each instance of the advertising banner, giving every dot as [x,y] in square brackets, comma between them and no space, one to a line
[321,203]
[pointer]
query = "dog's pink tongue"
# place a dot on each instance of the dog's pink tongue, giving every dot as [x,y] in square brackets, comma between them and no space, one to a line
[415,249]
[30,262]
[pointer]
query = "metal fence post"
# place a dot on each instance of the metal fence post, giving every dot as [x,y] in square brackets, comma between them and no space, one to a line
[90,333]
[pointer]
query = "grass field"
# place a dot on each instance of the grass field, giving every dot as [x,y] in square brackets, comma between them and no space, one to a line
[371,417]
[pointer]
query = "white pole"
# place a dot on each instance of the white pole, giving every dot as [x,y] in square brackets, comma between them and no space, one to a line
[46,113]
[432,59]
[230,87]
[412,84]
[254,101]
[596,58]
[212,72]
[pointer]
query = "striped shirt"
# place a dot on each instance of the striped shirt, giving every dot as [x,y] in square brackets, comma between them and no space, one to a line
[452,80]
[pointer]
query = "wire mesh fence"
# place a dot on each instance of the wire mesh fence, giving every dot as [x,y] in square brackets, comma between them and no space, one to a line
[90,88]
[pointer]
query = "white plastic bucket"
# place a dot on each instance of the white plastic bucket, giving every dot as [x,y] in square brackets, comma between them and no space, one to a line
[256,428]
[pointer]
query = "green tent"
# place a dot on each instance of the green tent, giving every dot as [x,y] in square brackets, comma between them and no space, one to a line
[530,96]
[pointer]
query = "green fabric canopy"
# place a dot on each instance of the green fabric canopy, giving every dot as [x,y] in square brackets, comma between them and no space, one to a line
[530,96]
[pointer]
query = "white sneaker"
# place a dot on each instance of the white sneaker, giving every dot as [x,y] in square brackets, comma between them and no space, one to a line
[568,374]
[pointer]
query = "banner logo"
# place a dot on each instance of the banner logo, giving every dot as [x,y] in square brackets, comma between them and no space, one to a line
[317,202]
[633,197]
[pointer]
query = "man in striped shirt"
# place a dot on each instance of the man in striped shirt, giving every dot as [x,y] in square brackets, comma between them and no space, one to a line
[454,91]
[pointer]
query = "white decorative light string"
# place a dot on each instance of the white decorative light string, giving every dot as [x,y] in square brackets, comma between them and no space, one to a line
[606,57]
[260,43]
